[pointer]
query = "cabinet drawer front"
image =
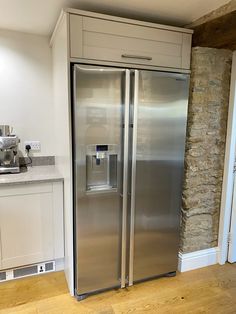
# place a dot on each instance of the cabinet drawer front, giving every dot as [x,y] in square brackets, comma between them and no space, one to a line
[22,189]
[130,50]
[99,39]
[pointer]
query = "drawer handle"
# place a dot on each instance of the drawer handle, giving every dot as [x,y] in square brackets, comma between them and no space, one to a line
[136,57]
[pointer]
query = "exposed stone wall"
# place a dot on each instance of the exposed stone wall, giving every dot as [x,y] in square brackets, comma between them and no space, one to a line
[205,146]
[222,10]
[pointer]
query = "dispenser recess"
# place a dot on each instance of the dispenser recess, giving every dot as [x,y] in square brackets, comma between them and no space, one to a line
[101,168]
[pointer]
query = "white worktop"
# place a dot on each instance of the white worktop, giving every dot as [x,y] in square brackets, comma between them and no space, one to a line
[33,174]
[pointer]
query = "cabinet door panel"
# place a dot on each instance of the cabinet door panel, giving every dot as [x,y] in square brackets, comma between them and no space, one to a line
[26,226]
[130,30]
[114,41]
[117,48]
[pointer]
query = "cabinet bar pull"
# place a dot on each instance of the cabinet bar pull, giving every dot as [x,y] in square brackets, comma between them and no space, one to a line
[136,57]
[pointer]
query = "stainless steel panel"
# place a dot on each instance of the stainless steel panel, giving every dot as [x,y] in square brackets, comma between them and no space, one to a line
[161,126]
[127,65]
[98,119]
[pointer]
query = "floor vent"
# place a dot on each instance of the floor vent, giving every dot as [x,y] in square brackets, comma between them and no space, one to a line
[49,266]
[26,271]
[2,276]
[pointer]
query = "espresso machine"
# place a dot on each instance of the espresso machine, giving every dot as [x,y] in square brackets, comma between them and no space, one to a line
[9,159]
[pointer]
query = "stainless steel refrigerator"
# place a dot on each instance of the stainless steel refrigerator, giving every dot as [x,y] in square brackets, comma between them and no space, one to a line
[128,140]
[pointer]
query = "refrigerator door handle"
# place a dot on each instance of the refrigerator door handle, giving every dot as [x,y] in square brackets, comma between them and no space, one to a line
[133,176]
[125,179]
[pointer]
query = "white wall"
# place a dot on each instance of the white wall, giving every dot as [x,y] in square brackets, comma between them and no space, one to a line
[26,88]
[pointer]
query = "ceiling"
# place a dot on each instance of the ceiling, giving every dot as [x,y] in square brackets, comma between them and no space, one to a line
[39,17]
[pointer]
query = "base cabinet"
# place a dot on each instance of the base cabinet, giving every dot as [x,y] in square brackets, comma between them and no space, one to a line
[31,223]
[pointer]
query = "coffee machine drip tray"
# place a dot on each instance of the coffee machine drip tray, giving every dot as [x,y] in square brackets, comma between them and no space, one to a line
[10,169]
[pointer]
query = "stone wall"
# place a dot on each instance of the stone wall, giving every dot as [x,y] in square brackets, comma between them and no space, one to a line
[220,11]
[205,146]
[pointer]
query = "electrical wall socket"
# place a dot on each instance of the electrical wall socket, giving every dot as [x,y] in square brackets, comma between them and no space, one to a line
[35,145]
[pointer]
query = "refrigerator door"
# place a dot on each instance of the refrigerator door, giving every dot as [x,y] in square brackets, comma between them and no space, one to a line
[101,97]
[159,126]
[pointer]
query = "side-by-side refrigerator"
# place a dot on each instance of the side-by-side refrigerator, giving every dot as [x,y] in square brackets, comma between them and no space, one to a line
[128,145]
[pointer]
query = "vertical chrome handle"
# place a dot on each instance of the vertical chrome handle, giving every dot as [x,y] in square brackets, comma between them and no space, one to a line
[133,177]
[125,179]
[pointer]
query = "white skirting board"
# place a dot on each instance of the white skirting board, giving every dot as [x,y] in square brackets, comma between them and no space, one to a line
[198,259]
[60,264]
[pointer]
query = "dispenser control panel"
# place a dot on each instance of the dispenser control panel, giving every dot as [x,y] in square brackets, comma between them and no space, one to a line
[101,152]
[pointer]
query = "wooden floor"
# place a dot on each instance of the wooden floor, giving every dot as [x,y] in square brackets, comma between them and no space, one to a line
[208,290]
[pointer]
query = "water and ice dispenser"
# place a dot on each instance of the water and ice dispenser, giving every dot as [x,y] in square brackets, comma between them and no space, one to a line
[101,167]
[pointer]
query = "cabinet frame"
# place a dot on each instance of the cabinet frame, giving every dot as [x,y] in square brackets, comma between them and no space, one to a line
[161,62]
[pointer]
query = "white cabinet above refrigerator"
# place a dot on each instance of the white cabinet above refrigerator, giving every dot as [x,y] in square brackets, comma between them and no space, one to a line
[120,41]
[98,37]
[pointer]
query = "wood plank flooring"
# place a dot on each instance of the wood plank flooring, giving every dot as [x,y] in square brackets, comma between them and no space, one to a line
[207,290]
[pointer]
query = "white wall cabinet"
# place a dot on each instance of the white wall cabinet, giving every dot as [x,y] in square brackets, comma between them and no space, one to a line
[31,223]
[128,42]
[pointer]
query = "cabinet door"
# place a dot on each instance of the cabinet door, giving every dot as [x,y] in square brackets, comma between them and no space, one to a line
[159,127]
[114,41]
[26,224]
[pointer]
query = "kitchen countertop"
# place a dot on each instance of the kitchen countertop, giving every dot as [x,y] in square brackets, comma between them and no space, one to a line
[31,175]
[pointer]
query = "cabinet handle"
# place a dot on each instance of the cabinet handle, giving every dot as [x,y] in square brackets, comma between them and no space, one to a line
[136,57]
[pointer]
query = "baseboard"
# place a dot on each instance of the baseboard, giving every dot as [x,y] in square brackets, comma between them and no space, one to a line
[198,259]
[32,270]
[60,264]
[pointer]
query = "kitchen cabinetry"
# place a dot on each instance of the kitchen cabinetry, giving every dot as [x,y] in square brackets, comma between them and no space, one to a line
[31,223]
[129,41]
